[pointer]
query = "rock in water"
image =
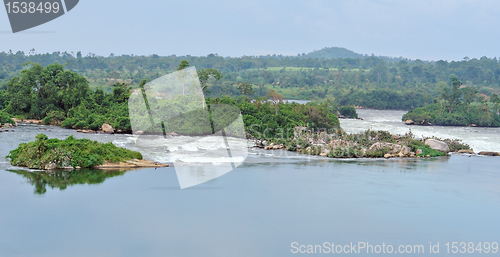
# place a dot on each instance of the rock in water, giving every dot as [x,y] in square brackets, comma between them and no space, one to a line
[489,153]
[438,145]
[106,128]
[466,151]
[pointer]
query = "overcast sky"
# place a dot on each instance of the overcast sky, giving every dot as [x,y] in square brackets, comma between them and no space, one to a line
[427,30]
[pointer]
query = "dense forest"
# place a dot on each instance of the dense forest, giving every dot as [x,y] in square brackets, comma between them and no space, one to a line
[63,97]
[337,74]
[458,105]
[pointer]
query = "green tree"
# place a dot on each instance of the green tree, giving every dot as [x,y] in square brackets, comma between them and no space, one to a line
[246,89]
[276,98]
[470,94]
[184,64]
[205,74]
[453,93]
[494,98]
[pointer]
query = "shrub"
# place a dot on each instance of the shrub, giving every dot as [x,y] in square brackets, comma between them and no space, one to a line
[348,111]
[54,118]
[5,118]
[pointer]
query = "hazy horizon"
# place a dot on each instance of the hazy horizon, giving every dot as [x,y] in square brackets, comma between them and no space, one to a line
[426,30]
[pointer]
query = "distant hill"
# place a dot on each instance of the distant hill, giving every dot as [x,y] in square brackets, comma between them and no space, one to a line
[332,53]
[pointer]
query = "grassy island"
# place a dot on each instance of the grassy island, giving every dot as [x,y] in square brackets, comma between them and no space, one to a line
[45,153]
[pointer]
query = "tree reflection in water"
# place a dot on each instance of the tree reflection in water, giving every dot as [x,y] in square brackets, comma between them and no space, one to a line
[62,178]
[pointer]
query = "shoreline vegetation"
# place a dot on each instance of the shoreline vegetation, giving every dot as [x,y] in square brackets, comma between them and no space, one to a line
[368,144]
[71,153]
[458,105]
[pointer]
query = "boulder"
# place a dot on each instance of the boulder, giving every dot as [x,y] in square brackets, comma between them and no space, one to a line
[438,145]
[419,151]
[395,148]
[85,131]
[409,122]
[466,151]
[269,147]
[405,151]
[324,153]
[395,137]
[485,153]
[51,166]
[387,155]
[106,128]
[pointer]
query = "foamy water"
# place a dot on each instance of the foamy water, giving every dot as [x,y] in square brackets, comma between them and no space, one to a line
[480,139]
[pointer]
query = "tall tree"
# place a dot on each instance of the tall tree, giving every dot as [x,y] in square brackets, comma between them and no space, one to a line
[453,93]
[183,65]
[204,76]
[470,94]
[246,89]
[276,98]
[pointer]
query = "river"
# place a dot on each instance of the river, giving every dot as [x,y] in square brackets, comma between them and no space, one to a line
[480,139]
[269,206]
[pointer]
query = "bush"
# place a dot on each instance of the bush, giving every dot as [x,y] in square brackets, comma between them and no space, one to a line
[348,111]
[427,150]
[73,152]
[5,118]
[54,118]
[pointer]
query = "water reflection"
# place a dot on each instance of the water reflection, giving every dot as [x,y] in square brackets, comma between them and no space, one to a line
[62,179]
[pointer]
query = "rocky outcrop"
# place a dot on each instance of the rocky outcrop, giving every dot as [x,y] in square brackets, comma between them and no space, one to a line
[485,153]
[106,128]
[405,151]
[85,131]
[466,151]
[363,145]
[272,146]
[26,121]
[395,148]
[131,164]
[437,145]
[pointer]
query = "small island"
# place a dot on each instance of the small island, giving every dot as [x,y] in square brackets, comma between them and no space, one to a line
[368,144]
[72,153]
[458,105]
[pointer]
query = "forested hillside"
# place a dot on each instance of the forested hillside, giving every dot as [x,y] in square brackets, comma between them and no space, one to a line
[369,81]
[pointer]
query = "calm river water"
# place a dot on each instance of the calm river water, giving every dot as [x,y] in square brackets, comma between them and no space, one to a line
[269,206]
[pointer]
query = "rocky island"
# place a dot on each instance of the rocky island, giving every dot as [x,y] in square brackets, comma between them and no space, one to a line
[369,144]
